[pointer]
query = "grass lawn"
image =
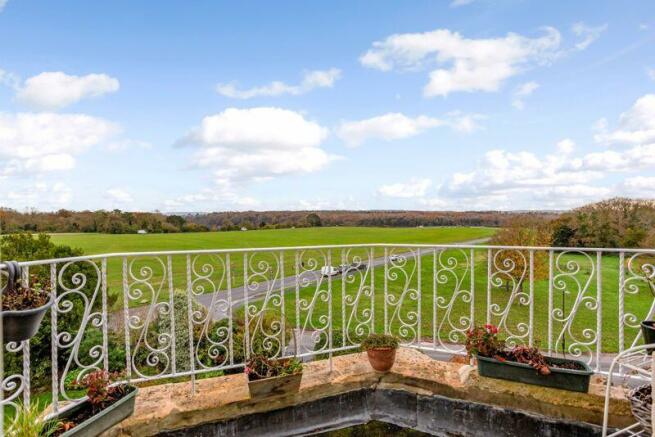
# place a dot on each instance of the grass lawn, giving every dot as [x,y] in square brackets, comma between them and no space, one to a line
[106,243]
[448,323]
[451,320]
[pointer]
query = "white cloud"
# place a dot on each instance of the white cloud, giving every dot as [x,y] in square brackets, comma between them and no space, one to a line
[587,34]
[311,80]
[56,90]
[638,186]
[413,188]
[254,144]
[472,64]
[566,146]
[128,144]
[397,126]
[36,143]
[562,179]
[387,127]
[30,135]
[45,196]
[458,3]
[521,92]
[3,3]
[636,126]
[208,198]
[119,195]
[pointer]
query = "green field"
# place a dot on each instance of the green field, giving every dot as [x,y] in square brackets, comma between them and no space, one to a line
[269,265]
[108,243]
[402,298]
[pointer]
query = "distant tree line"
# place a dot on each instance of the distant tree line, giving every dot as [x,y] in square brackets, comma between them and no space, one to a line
[288,219]
[618,222]
[108,222]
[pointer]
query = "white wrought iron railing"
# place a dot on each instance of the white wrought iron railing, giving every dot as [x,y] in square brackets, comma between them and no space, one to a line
[161,315]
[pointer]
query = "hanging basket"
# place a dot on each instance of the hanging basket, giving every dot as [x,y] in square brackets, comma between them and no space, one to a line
[641,402]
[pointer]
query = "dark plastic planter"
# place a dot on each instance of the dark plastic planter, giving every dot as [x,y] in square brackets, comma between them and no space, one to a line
[102,421]
[564,379]
[22,325]
[648,331]
[276,386]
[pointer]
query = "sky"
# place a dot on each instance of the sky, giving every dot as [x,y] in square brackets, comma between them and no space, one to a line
[182,106]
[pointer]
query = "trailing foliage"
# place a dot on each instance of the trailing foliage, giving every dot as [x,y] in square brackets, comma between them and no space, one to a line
[380,341]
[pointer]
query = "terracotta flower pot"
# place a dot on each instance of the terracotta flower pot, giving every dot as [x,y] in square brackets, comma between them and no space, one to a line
[381,359]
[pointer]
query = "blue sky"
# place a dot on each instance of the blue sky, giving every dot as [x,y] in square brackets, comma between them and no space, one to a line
[205,106]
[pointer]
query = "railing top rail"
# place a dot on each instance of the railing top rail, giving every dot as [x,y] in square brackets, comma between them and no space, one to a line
[331,246]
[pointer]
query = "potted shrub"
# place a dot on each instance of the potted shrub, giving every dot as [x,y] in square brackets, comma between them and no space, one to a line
[273,377]
[23,306]
[381,351]
[524,364]
[106,405]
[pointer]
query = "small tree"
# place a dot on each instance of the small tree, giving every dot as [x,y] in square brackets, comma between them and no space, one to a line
[313,220]
[523,231]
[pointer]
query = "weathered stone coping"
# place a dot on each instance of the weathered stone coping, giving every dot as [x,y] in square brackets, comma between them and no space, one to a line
[171,406]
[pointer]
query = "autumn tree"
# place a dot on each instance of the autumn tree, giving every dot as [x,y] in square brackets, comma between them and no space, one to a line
[521,231]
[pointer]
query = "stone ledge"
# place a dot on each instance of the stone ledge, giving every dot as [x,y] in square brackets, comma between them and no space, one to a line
[171,406]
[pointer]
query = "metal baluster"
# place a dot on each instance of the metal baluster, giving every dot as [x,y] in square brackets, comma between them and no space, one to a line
[472,256]
[550,301]
[343,299]
[489,273]
[245,300]
[229,307]
[371,264]
[126,319]
[171,302]
[434,298]
[621,301]
[329,263]
[105,334]
[26,349]
[531,322]
[282,309]
[599,310]
[190,324]
[298,273]
[418,270]
[53,339]
[386,288]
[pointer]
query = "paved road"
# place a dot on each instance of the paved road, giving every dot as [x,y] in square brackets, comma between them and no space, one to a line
[259,290]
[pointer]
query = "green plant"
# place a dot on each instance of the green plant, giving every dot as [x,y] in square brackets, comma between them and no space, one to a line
[380,341]
[99,390]
[182,338]
[29,422]
[484,341]
[261,367]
